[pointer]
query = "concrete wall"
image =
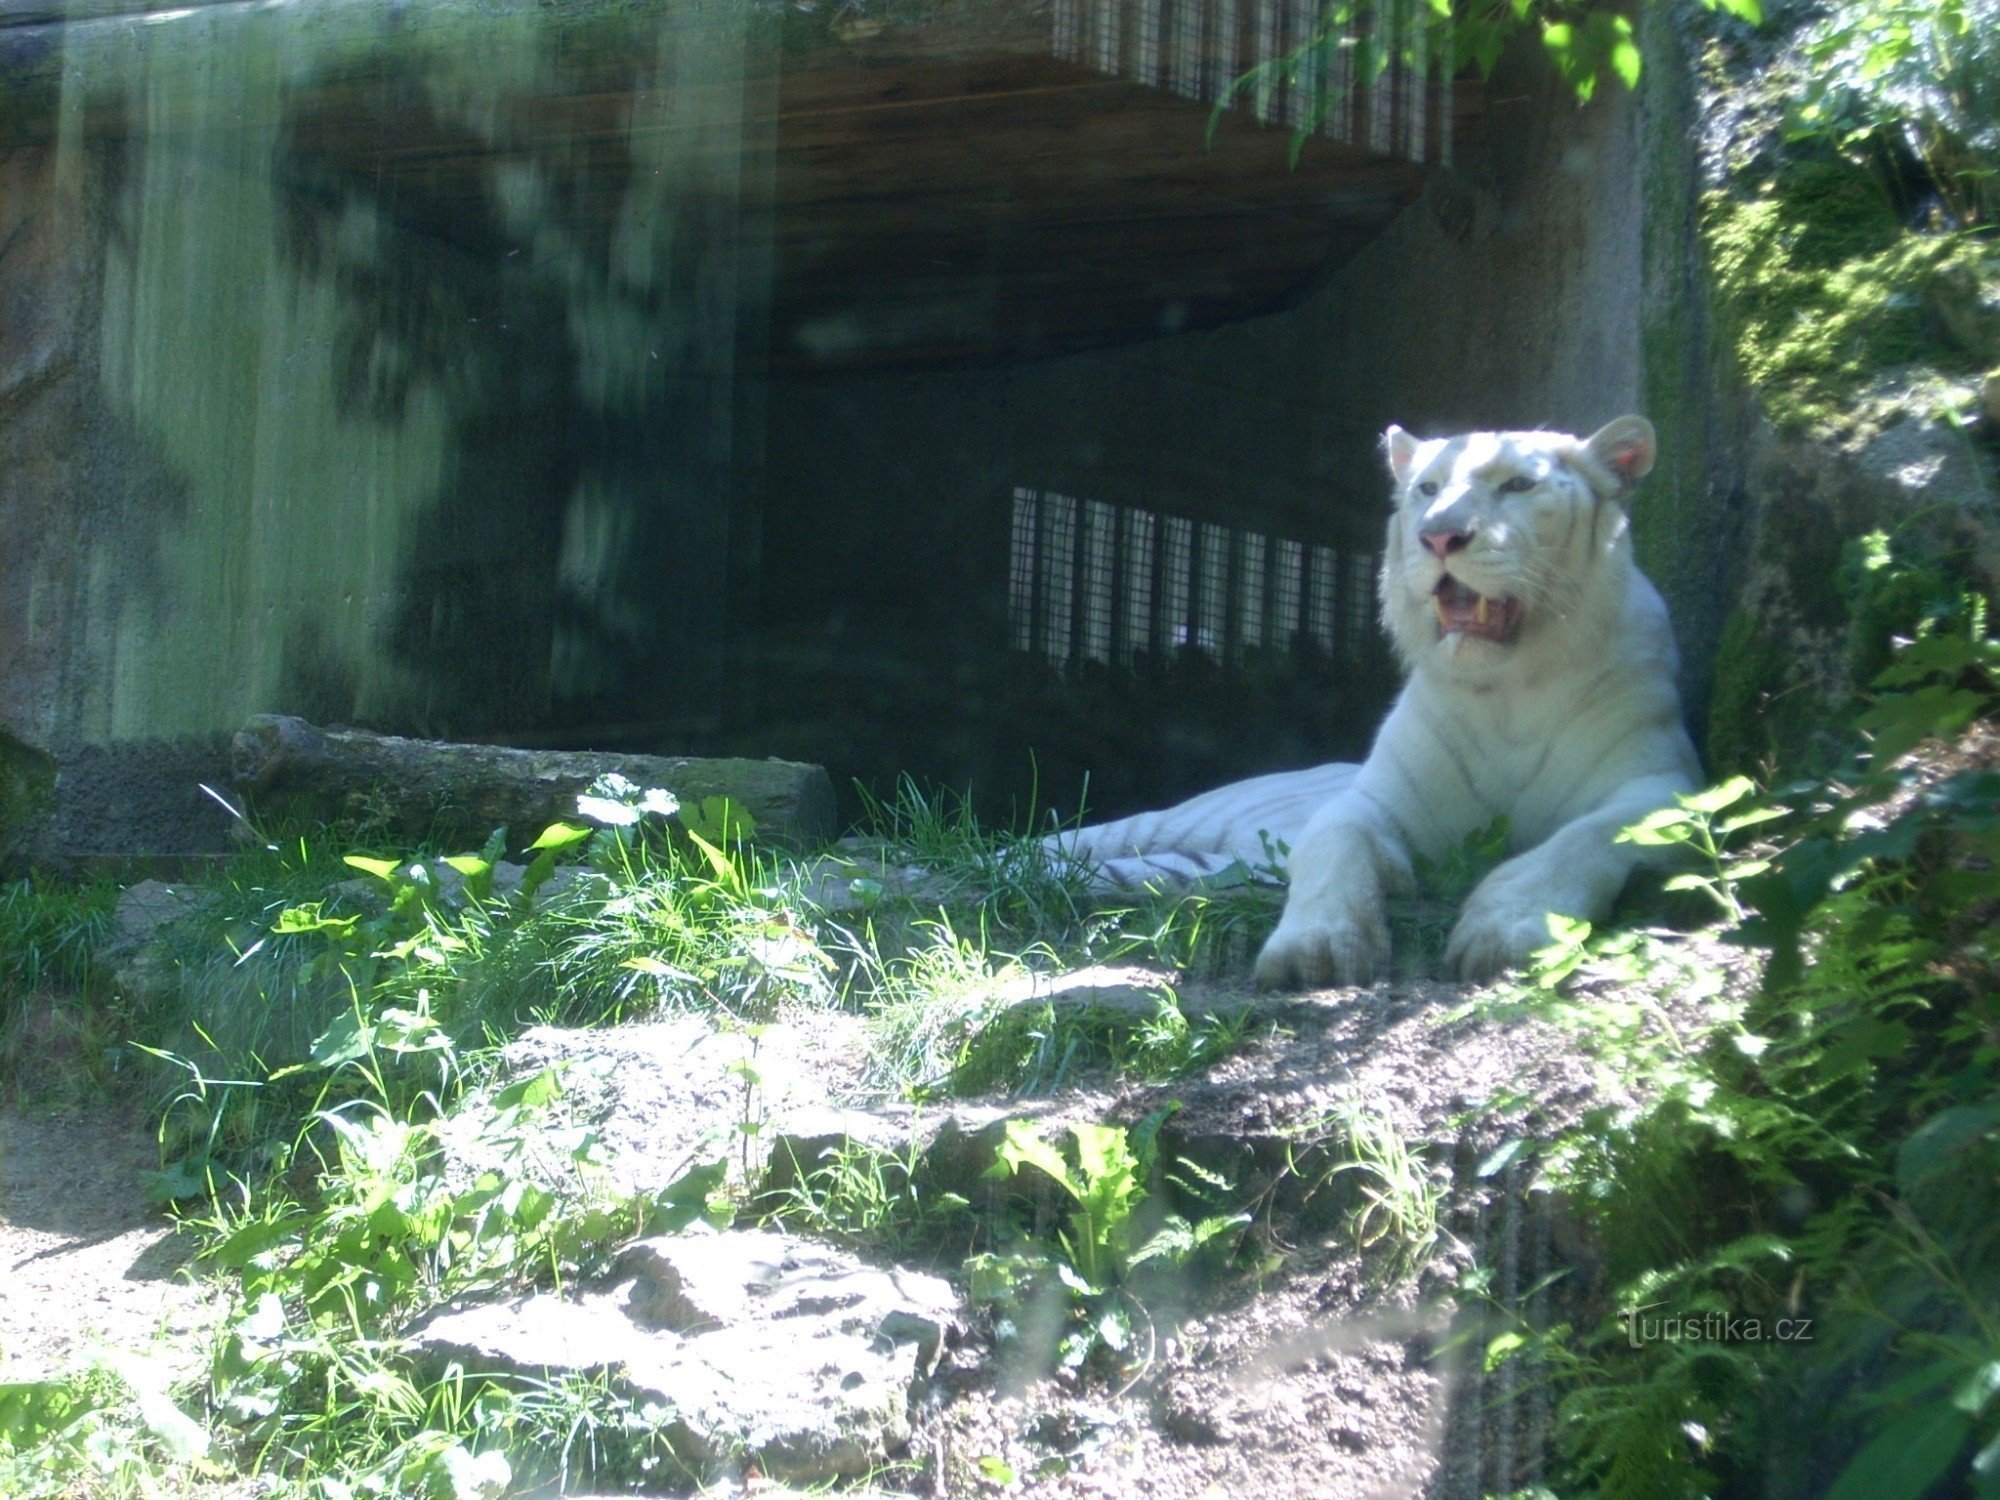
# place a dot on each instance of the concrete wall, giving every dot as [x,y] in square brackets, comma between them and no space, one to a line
[274,439]
[1550,279]
[282,438]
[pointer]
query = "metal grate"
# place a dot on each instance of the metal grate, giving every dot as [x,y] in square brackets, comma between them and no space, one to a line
[1197,48]
[1087,581]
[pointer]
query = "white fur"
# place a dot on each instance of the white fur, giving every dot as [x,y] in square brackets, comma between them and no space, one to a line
[1571,727]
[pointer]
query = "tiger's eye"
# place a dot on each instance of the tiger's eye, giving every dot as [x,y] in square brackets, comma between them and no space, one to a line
[1518,483]
[1428,487]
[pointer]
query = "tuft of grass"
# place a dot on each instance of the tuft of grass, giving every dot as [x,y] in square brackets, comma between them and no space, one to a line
[48,932]
[1400,1196]
[1016,884]
[927,1002]
[684,937]
[871,1198]
[59,1027]
[1038,1048]
[1211,932]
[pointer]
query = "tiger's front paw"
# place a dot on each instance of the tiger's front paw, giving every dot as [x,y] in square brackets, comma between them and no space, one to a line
[1496,935]
[1314,951]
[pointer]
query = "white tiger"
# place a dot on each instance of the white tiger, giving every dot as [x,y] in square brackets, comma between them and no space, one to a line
[1541,671]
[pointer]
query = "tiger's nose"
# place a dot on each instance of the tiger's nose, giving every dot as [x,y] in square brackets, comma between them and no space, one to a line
[1444,543]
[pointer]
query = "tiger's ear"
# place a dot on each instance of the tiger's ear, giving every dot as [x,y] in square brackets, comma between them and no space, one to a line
[1626,447]
[1402,451]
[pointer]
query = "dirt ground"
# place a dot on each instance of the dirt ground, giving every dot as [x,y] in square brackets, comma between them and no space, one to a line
[85,1260]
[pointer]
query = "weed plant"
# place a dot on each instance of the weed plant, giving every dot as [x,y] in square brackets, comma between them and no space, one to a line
[1816,1148]
[1084,1291]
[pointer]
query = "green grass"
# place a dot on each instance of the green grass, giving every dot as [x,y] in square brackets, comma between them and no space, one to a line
[59,1031]
[48,931]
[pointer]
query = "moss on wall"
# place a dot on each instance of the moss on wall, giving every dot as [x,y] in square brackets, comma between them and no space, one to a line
[1824,290]
[27,793]
[1859,329]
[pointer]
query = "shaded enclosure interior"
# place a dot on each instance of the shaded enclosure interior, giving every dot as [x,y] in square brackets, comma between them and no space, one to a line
[946,387]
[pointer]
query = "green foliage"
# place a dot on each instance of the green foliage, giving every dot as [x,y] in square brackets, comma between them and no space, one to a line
[868,1197]
[1083,1294]
[1395,1220]
[1586,43]
[1819,1143]
[58,1026]
[1037,1048]
[1826,292]
[48,931]
[1017,887]
[1451,877]
[1922,75]
[409,1207]
[1697,825]
[112,1429]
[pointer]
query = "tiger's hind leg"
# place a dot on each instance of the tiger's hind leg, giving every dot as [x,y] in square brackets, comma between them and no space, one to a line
[1246,823]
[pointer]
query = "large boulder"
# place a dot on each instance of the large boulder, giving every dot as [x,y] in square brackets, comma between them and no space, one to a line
[756,1346]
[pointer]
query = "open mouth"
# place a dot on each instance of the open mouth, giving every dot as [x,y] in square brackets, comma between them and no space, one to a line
[1465,611]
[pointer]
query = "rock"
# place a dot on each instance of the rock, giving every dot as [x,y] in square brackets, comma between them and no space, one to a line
[133,955]
[1967,306]
[430,789]
[107,808]
[662,1096]
[1134,990]
[1922,464]
[857,874]
[809,1137]
[759,1345]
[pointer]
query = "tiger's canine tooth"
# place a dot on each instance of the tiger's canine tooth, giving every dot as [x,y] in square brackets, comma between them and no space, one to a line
[1480,613]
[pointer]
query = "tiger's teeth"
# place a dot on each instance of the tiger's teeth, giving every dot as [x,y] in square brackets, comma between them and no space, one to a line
[1443,618]
[1480,613]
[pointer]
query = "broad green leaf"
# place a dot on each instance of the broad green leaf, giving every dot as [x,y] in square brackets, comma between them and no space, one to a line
[184,1439]
[533,1092]
[1669,825]
[346,1039]
[1498,1159]
[297,920]
[1749,819]
[720,820]
[381,869]
[1102,1155]
[559,836]
[1021,1147]
[1499,1350]
[1908,1455]
[1611,38]
[1939,1140]
[1723,794]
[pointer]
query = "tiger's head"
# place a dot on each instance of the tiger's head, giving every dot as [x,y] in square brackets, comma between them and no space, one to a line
[1505,543]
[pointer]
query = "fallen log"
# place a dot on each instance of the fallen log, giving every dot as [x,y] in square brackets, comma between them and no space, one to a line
[433,791]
